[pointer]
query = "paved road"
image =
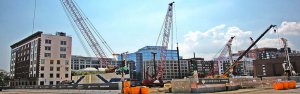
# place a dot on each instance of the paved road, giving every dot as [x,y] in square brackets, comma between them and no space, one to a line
[58,91]
[261,91]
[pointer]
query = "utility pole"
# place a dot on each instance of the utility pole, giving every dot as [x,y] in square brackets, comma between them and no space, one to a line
[153,53]
[178,60]
[122,79]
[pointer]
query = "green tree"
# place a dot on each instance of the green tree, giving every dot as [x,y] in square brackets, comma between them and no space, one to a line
[4,79]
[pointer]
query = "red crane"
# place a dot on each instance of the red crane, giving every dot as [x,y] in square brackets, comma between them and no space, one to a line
[167,29]
[78,19]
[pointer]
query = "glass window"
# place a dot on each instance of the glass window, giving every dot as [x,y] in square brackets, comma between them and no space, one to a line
[51,68]
[66,75]
[62,55]
[58,69]
[48,48]
[63,49]
[47,54]
[42,75]
[51,75]
[58,62]
[42,68]
[42,61]
[57,82]
[63,43]
[66,62]
[51,61]
[51,82]
[57,75]
[47,41]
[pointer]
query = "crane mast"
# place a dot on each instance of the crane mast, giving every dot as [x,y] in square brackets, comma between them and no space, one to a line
[167,29]
[225,50]
[287,66]
[79,19]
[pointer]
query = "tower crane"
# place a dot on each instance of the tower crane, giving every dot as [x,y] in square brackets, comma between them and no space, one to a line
[287,66]
[225,50]
[167,28]
[77,18]
[225,74]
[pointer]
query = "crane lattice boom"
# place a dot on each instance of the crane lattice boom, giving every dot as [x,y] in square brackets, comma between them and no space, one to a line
[167,29]
[85,28]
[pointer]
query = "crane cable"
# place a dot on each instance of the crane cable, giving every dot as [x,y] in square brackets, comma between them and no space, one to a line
[33,19]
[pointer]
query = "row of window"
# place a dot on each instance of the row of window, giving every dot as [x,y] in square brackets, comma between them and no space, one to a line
[52,68]
[48,41]
[52,76]
[49,55]
[57,62]
[48,48]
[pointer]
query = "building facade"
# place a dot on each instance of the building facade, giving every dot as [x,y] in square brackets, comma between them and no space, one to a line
[41,59]
[171,69]
[146,54]
[273,67]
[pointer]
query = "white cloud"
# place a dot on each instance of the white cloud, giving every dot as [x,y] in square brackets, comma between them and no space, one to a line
[273,43]
[206,44]
[289,28]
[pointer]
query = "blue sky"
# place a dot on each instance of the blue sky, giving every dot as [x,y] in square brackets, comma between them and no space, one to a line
[203,26]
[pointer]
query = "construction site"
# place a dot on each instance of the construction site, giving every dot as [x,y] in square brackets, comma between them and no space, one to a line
[273,69]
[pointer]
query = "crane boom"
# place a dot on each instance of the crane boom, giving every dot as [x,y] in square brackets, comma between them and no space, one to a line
[167,28]
[85,28]
[288,67]
[224,75]
[224,51]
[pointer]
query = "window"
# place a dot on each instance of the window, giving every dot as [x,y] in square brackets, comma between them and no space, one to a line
[67,62]
[63,49]
[58,69]
[66,75]
[57,75]
[51,68]
[51,75]
[41,82]
[47,41]
[51,61]
[51,83]
[42,61]
[67,69]
[62,55]
[47,48]
[63,43]
[58,61]
[57,82]
[42,75]
[42,68]
[47,54]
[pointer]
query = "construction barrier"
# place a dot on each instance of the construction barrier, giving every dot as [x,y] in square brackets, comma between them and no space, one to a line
[126,90]
[135,90]
[144,90]
[284,85]
[292,84]
[278,86]
[126,83]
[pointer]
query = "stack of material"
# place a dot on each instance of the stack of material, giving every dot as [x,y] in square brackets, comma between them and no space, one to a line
[246,82]
[267,82]
[181,86]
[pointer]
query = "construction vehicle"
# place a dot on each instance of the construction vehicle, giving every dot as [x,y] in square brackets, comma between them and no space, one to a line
[167,28]
[225,50]
[237,61]
[78,19]
[287,66]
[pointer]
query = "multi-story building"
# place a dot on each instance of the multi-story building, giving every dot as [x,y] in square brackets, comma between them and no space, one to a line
[273,67]
[41,59]
[81,62]
[171,69]
[146,54]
